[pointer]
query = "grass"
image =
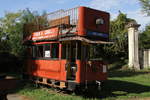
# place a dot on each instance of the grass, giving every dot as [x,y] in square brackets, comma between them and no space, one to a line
[46,94]
[121,85]
[128,84]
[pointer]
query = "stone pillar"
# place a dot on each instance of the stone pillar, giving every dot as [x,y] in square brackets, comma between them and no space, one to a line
[147,59]
[133,48]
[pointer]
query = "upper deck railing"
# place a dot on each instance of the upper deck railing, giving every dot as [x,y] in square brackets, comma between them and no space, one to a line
[56,18]
[71,13]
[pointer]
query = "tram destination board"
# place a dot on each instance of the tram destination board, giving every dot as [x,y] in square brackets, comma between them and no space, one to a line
[45,34]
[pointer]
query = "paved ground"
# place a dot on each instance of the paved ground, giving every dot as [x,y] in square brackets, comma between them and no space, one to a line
[9,83]
[16,97]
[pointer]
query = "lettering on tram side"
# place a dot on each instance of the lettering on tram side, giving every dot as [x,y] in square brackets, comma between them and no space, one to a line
[92,33]
[45,34]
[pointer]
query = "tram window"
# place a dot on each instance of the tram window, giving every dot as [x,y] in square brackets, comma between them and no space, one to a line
[34,51]
[84,52]
[47,50]
[79,51]
[63,51]
[40,51]
[66,52]
[55,50]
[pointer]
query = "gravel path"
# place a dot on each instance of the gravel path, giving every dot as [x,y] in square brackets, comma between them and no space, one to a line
[16,97]
[8,84]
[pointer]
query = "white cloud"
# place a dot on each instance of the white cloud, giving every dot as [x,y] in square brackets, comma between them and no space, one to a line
[130,7]
[61,1]
[111,4]
[37,4]
[139,17]
[104,5]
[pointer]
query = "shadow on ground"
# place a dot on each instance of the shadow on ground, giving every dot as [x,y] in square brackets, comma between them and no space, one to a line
[115,88]
[111,89]
[126,73]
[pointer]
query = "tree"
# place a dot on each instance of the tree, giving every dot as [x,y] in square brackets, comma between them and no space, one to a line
[118,51]
[12,25]
[33,21]
[12,51]
[118,34]
[145,6]
[145,38]
[11,28]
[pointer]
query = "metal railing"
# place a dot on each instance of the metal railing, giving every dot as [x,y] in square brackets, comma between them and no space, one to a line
[72,13]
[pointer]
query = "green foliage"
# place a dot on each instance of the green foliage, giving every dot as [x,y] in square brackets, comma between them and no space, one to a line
[34,17]
[118,51]
[145,38]
[4,46]
[33,21]
[145,6]
[118,34]
[12,25]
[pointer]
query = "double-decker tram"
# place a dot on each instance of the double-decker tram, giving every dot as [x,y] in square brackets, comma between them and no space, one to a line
[60,55]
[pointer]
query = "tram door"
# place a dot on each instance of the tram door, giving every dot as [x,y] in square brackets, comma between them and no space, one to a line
[71,56]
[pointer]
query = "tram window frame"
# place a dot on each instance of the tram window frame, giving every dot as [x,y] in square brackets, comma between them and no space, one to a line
[79,51]
[39,51]
[63,51]
[47,47]
[84,52]
[55,51]
[34,53]
[54,55]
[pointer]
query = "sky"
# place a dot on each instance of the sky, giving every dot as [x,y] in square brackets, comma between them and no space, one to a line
[130,7]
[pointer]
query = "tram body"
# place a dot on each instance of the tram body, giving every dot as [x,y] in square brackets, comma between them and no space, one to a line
[60,55]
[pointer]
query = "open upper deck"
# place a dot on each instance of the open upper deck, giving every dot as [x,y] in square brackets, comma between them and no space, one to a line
[79,21]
